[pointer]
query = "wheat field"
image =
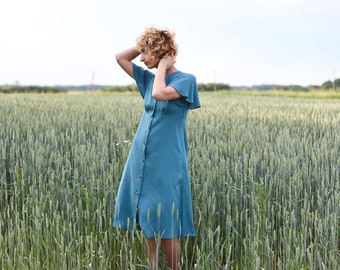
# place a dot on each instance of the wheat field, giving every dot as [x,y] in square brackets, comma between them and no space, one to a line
[265,178]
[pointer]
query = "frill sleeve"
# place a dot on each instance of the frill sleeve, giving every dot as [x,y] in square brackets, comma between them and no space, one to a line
[186,86]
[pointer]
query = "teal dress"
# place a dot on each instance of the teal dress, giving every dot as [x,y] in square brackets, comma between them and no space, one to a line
[154,193]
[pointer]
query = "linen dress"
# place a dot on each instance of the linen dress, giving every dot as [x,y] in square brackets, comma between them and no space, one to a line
[154,192]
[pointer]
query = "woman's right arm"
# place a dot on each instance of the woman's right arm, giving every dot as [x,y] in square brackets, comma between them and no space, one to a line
[124,59]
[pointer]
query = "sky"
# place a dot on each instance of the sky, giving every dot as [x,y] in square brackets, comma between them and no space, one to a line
[237,42]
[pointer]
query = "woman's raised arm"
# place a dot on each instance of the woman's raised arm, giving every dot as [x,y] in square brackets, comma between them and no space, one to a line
[124,59]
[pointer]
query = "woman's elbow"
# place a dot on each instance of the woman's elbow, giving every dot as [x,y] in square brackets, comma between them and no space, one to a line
[157,96]
[118,57]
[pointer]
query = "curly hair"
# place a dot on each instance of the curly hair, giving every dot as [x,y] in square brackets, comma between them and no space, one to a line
[159,42]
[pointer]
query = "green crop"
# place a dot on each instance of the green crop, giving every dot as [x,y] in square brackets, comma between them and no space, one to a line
[265,177]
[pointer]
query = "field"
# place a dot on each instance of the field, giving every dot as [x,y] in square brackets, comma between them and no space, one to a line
[265,175]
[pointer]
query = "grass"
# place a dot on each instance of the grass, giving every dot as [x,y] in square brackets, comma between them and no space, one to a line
[265,182]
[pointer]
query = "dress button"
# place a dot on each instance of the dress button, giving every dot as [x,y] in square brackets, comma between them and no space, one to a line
[137,193]
[139,177]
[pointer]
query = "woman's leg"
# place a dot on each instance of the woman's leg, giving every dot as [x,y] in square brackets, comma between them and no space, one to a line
[172,251]
[152,252]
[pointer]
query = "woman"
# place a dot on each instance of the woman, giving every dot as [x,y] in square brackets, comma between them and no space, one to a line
[154,192]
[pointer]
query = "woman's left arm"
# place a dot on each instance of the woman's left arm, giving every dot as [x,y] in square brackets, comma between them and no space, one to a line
[160,90]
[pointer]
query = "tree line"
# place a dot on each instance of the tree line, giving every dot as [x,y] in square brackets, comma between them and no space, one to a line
[206,87]
[13,89]
[8,89]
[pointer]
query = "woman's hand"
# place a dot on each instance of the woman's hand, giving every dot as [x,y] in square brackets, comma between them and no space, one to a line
[167,62]
[160,90]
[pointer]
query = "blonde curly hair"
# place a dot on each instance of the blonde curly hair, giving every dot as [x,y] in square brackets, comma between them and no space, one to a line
[159,42]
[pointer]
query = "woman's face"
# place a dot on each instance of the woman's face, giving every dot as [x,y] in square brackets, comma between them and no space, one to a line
[148,60]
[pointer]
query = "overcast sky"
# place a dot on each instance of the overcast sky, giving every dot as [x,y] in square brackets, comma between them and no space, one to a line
[238,42]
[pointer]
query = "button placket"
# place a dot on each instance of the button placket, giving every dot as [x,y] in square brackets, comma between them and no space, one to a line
[142,160]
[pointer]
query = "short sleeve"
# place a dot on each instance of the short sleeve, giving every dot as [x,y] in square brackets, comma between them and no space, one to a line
[186,85]
[143,78]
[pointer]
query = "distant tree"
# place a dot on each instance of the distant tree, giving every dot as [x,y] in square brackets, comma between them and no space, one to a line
[327,85]
[213,86]
[337,83]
